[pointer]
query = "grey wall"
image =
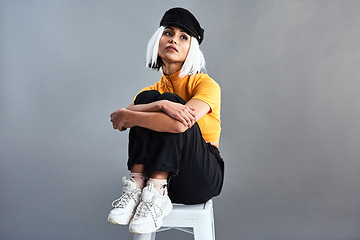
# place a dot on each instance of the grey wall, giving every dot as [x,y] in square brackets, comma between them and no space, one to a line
[289,72]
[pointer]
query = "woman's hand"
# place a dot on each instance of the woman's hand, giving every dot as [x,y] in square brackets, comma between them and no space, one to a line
[184,114]
[118,119]
[171,117]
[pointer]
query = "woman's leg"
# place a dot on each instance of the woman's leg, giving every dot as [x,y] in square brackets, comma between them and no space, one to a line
[140,138]
[180,156]
[157,151]
[200,175]
[194,167]
[139,141]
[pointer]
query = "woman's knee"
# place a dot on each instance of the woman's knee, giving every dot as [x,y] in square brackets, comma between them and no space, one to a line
[171,97]
[148,96]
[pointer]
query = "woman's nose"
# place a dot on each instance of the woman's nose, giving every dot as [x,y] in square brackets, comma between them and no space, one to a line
[171,40]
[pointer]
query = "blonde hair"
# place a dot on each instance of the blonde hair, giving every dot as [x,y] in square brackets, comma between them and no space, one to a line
[193,64]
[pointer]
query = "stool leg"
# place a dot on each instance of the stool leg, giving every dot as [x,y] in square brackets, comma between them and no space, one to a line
[204,230]
[153,235]
[147,236]
[213,223]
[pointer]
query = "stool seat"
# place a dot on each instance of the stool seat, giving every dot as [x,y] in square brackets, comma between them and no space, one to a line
[195,219]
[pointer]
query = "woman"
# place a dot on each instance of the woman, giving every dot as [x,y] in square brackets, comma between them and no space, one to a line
[175,130]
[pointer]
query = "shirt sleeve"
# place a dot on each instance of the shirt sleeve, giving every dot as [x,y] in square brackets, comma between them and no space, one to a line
[207,90]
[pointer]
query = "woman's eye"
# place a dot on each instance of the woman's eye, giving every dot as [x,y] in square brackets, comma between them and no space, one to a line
[184,37]
[167,33]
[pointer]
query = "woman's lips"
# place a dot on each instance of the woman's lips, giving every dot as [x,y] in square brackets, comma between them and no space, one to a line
[171,48]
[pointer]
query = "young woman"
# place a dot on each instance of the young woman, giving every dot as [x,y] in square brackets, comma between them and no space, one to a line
[174,130]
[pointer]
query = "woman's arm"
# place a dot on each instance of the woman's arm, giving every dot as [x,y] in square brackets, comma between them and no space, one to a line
[149,107]
[156,121]
[185,114]
[200,107]
[160,121]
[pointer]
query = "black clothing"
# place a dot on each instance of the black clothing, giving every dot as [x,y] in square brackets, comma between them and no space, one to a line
[196,170]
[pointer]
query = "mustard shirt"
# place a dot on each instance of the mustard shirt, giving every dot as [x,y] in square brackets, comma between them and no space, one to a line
[199,86]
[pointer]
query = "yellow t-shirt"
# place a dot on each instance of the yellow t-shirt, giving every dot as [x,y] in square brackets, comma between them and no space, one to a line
[199,86]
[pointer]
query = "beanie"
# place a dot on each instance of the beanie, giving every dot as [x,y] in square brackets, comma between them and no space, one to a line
[184,19]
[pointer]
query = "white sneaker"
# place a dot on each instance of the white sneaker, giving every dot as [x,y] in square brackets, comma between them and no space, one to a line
[124,207]
[151,211]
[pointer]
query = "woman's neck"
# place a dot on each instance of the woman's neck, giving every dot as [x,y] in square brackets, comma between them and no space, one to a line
[171,68]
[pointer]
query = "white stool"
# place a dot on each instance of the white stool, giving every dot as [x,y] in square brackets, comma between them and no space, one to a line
[194,219]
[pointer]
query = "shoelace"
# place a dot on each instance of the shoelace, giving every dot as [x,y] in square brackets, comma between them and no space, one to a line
[146,207]
[127,194]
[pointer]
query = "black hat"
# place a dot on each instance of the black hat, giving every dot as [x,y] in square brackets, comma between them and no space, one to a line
[184,19]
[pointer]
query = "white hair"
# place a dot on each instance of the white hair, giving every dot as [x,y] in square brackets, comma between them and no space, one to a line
[193,64]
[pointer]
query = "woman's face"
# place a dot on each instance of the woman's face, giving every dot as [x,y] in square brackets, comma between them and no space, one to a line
[174,45]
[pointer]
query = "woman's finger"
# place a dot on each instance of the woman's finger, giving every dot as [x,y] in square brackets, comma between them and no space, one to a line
[191,119]
[191,115]
[188,121]
[181,119]
[184,122]
[115,124]
[192,112]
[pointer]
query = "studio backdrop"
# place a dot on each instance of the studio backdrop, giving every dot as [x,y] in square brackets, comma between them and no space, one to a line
[289,73]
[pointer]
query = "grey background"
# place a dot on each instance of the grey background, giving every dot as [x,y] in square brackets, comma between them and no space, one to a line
[289,72]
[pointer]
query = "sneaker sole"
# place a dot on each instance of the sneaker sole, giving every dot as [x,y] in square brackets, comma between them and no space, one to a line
[123,219]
